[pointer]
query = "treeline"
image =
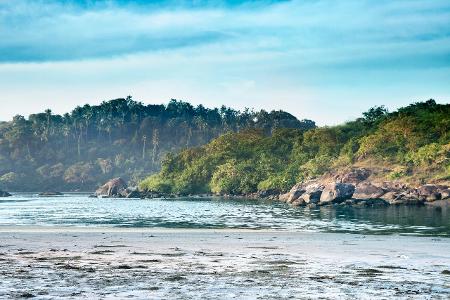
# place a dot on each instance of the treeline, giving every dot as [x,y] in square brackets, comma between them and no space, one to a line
[121,137]
[411,144]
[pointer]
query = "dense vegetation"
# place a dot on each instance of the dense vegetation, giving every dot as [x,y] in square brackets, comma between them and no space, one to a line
[411,144]
[122,137]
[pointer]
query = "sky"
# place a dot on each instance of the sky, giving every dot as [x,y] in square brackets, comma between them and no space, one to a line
[324,60]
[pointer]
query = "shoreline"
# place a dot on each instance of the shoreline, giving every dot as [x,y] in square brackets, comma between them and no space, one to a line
[180,264]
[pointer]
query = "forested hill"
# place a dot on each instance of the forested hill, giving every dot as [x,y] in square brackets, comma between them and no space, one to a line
[411,145]
[121,137]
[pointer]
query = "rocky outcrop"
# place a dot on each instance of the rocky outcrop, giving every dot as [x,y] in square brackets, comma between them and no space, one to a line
[353,176]
[355,188]
[336,193]
[4,194]
[130,192]
[367,190]
[117,188]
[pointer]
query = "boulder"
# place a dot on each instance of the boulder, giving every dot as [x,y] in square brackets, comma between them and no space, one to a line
[312,192]
[266,193]
[337,192]
[439,203]
[355,176]
[430,189]
[284,197]
[312,197]
[130,192]
[445,194]
[433,197]
[367,190]
[4,194]
[298,202]
[294,195]
[112,188]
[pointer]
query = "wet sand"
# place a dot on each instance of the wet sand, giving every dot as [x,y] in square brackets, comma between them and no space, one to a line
[49,263]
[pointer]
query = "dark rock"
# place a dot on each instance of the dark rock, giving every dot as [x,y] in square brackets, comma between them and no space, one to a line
[312,197]
[5,194]
[433,197]
[294,195]
[266,193]
[50,194]
[367,190]
[336,193]
[430,189]
[130,193]
[439,203]
[371,202]
[312,192]
[112,188]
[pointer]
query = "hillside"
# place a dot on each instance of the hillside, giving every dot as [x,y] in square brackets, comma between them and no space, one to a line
[410,145]
[122,137]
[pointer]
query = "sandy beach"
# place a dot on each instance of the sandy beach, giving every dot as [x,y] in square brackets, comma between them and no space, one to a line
[219,264]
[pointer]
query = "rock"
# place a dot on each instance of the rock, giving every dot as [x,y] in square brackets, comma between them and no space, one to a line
[266,193]
[390,196]
[5,194]
[355,176]
[371,202]
[112,188]
[433,197]
[336,193]
[312,197]
[439,203]
[298,202]
[294,195]
[284,197]
[445,194]
[430,189]
[130,192]
[50,194]
[367,190]
[393,186]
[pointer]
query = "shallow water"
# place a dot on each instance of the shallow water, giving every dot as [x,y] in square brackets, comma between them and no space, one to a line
[77,210]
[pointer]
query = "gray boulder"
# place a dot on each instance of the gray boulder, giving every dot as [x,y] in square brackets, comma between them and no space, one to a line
[112,188]
[367,190]
[312,197]
[337,192]
[312,193]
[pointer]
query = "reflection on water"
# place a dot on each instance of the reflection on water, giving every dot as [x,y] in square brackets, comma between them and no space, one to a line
[79,210]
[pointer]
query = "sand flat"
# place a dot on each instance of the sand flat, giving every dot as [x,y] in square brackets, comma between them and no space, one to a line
[219,264]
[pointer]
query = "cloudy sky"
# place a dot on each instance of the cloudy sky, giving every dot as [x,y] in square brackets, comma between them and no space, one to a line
[325,60]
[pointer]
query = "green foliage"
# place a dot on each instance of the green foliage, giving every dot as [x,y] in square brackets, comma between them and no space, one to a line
[121,137]
[416,136]
[398,172]
[429,154]
[155,183]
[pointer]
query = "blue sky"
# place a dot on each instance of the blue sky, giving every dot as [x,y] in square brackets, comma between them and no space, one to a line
[325,60]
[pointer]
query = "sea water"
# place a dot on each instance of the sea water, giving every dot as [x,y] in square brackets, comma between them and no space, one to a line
[78,210]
